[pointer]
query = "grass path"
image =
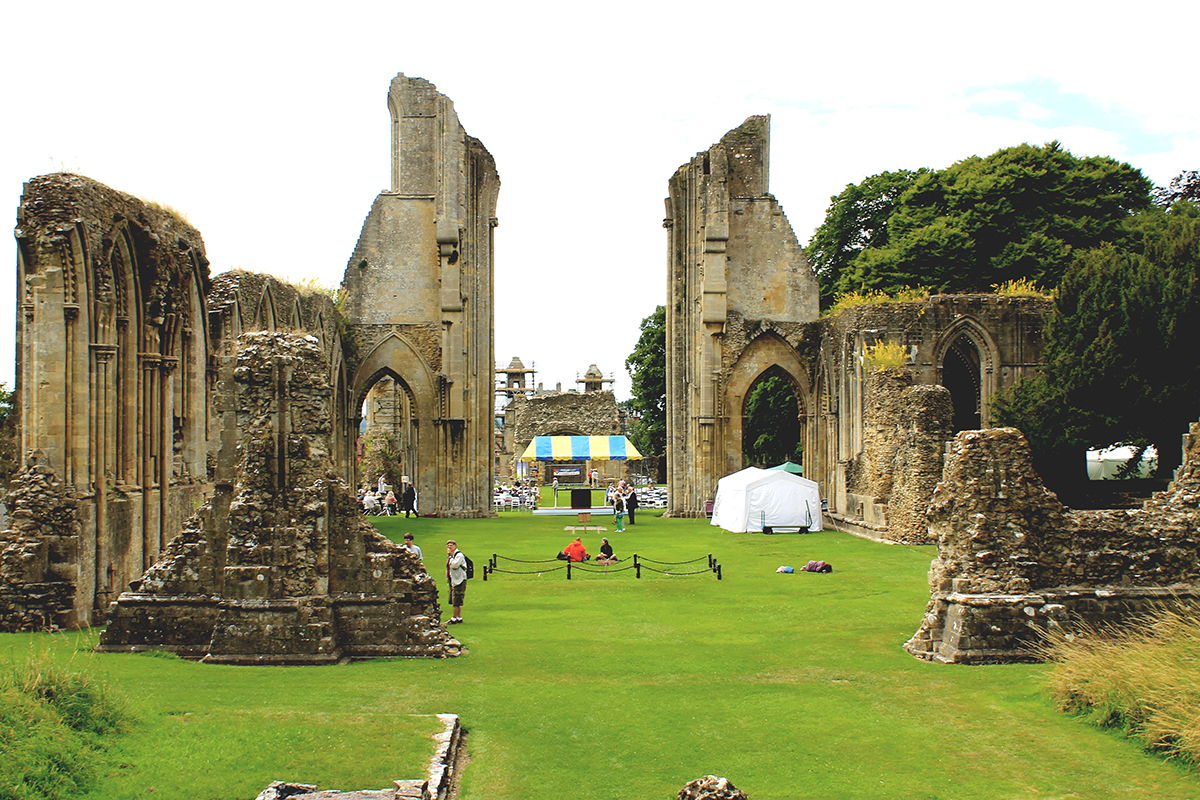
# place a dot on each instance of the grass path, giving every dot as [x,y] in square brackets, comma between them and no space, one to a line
[793,686]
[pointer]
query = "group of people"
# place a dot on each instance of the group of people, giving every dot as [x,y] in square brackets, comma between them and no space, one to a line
[623,498]
[518,492]
[575,551]
[386,503]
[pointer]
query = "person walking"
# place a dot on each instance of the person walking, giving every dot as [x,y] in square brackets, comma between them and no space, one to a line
[619,511]
[456,575]
[409,501]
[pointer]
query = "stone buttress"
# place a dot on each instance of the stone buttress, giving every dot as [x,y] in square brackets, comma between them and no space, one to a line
[280,567]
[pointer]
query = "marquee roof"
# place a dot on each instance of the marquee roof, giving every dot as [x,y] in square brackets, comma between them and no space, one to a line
[580,448]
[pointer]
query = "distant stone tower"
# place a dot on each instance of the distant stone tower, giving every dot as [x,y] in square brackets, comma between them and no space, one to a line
[738,286]
[593,380]
[419,299]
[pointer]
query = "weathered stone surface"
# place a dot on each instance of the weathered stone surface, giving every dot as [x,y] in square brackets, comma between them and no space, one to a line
[710,787]
[924,428]
[1013,561]
[280,567]
[733,263]
[126,353]
[418,299]
[110,375]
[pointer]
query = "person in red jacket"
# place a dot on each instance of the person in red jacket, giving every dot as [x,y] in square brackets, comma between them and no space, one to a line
[575,551]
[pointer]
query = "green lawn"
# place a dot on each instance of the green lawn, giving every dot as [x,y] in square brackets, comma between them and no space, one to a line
[792,686]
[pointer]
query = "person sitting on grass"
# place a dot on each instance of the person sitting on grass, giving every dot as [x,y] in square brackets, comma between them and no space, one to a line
[575,551]
[606,556]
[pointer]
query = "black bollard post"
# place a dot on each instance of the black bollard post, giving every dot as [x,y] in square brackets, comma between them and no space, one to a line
[486,569]
[568,570]
[637,568]
[711,563]
[718,572]
[494,562]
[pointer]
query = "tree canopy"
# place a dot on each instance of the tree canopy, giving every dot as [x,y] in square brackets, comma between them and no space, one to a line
[647,366]
[1020,213]
[1121,364]
[772,429]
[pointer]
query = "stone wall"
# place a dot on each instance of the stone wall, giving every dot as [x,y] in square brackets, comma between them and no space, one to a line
[418,292]
[846,421]
[923,431]
[563,414]
[39,557]
[111,379]
[280,566]
[1013,561]
[738,287]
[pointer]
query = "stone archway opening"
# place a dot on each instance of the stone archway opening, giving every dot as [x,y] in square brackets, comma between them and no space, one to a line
[961,374]
[771,420]
[387,449]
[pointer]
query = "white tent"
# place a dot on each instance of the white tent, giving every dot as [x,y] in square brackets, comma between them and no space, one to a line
[1106,464]
[755,498]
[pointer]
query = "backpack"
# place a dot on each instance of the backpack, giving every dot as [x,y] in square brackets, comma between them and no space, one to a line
[470,566]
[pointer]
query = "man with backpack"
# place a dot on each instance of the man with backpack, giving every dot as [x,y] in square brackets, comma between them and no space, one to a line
[456,574]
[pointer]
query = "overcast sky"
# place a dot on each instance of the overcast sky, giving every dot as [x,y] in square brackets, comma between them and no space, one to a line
[267,124]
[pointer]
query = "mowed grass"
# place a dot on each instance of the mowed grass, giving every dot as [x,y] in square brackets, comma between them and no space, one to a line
[606,686]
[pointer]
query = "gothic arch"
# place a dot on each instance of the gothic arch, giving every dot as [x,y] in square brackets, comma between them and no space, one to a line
[264,314]
[766,352]
[396,357]
[974,354]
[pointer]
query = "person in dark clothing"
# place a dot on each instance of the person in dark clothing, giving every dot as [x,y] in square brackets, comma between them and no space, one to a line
[606,553]
[408,501]
[631,503]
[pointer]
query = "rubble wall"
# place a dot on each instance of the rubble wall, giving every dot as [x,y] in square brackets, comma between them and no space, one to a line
[923,430]
[280,566]
[1013,561]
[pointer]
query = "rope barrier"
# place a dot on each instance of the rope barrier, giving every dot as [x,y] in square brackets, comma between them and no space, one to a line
[673,574]
[677,563]
[638,562]
[488,570]
[520,561]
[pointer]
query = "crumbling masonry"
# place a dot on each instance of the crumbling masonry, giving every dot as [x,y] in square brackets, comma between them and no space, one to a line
[137,376]
[1013,562]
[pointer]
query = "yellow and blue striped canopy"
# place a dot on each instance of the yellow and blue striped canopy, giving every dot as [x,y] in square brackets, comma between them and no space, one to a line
[580,448]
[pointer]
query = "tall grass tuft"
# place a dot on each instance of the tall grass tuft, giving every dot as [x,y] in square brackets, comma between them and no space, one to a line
[885,355]
[1143,680]
[52,726]
[1022,287]
[904,294]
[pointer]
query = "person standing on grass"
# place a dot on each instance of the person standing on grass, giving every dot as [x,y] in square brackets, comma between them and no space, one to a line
[631,502]
[619,511]
[456,574]
[411,546]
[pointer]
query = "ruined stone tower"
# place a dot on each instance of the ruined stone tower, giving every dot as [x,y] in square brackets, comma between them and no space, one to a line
[419,299]
[737,283]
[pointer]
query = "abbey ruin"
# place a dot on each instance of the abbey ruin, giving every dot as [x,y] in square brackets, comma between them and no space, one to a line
[190,442]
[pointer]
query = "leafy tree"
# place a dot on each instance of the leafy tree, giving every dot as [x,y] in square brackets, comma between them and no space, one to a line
[647,366]
[771,432]
[857,219]
[1184,186]
[1121,364]
[10,463]
[1021,213]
